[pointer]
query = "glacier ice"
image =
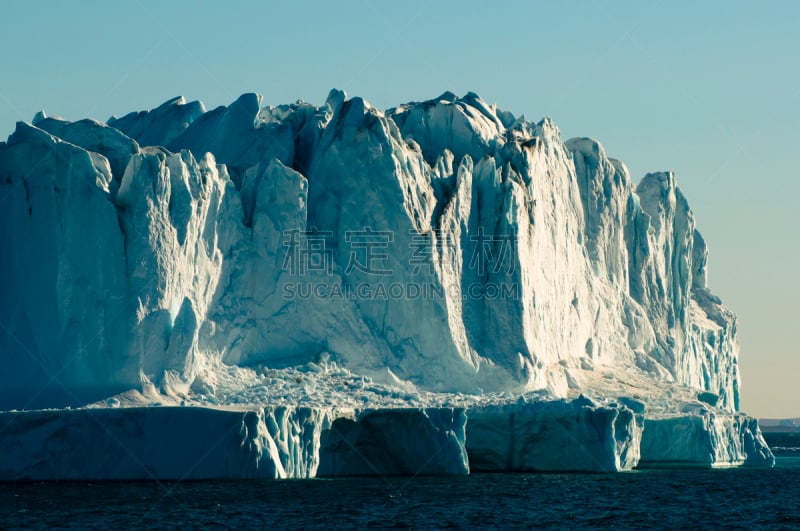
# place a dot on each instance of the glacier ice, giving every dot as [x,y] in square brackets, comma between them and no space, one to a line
[437,254]
[704,439]
[181,443]
[392,442]
[553,436]
[175,443]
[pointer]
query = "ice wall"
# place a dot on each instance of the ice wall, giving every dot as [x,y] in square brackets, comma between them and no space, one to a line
[183,443]
[704,439]
[553,436]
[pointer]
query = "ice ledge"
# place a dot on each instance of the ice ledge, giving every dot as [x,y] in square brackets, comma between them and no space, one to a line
[179,443]
[188,443]
[553,436]
[704,440]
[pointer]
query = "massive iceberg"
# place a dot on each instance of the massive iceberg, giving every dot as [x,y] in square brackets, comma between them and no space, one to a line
[344,290]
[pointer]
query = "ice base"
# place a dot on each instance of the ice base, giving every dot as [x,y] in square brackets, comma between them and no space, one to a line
[183,443]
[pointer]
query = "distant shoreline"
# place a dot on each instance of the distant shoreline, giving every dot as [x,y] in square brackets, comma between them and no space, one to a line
[791,425]
[783,444]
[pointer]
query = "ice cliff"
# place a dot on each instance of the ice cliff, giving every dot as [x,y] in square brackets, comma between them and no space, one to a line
[195,256]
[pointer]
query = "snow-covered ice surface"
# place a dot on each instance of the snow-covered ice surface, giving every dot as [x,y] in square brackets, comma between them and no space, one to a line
[439,256]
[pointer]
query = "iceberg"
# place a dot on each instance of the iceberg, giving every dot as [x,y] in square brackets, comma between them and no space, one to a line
[435,288]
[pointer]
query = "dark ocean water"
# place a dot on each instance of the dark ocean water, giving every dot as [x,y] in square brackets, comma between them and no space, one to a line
[727,498]
[784,444]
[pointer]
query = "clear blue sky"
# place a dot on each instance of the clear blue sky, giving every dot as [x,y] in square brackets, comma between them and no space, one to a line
[708,89]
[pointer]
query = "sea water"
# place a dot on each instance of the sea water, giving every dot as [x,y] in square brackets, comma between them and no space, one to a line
[743,498]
